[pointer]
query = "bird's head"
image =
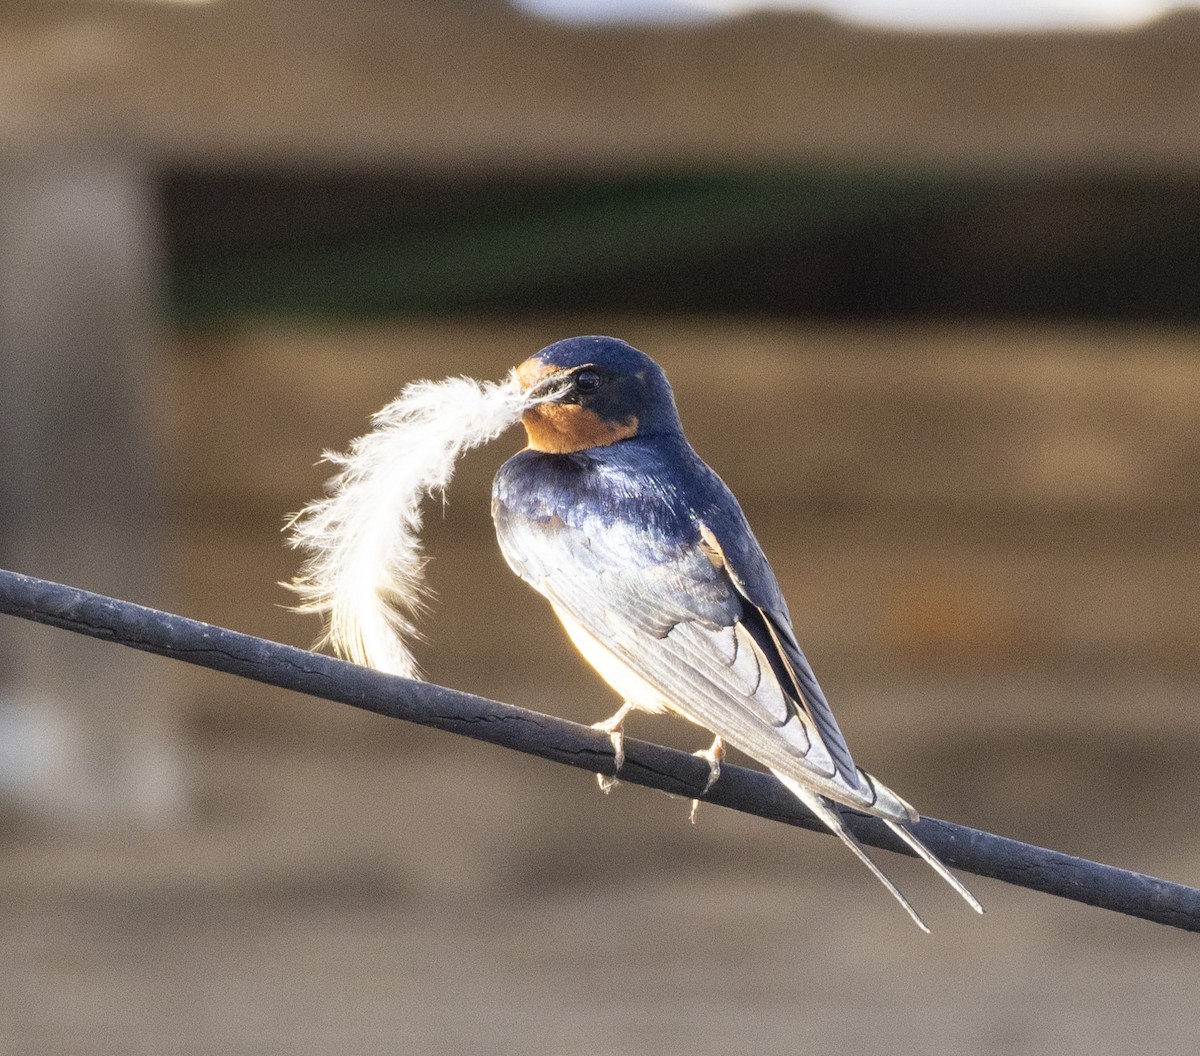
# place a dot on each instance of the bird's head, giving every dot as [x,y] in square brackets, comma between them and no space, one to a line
[596,391]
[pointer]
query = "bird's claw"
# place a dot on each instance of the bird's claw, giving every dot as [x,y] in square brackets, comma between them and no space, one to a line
[713,757]
[616,738]
[614,727]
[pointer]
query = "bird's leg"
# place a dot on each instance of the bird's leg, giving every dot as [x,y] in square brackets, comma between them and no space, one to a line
[614,727]
[713,755]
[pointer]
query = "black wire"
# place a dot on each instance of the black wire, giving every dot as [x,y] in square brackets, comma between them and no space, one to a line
[652,765]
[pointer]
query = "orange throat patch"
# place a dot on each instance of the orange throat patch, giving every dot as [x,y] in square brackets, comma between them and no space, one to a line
[563,428]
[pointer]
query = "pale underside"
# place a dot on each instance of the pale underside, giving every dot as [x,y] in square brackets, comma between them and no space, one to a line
[737,697]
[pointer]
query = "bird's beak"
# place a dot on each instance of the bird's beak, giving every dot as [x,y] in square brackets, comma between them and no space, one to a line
[539,382]
[547,388]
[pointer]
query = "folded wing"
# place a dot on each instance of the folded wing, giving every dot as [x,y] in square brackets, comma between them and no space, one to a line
[683,618]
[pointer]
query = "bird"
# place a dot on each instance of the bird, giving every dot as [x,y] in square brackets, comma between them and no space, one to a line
[650,565]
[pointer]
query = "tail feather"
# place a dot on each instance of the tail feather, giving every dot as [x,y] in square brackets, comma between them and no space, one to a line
[827,812]
[935,863]
[824,810]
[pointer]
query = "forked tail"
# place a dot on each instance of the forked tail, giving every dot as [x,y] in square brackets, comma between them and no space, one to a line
[828,813]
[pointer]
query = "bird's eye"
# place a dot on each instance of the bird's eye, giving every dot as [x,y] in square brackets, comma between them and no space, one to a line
[587,381]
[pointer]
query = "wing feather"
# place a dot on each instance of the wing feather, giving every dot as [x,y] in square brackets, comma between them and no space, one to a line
[678,620]
[771,623]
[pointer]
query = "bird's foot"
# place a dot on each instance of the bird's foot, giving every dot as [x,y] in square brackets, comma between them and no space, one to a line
[713,756]
[614,727]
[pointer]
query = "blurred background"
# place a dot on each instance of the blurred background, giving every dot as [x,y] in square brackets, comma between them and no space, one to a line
[928,287]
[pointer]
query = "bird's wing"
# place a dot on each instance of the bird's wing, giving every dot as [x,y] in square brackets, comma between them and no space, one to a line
[769,620]
[672,613]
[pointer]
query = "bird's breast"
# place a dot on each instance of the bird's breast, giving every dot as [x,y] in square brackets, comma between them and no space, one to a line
[626,682]
[564,428]
[623,488]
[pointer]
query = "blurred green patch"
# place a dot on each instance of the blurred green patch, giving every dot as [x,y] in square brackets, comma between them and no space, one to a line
[767,242]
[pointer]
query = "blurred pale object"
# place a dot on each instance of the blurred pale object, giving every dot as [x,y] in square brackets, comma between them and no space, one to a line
[88,736]
[899,14]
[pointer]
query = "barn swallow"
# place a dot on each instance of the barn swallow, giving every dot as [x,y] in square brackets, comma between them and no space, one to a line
[648,561]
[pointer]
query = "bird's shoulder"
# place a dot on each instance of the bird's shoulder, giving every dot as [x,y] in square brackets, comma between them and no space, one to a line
[627,516]
[646,482]
[644,503]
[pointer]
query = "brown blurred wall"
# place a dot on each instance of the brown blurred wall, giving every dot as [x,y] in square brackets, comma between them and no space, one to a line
[468,85]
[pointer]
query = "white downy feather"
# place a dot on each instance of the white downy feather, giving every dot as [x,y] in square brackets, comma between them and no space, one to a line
[365,566]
